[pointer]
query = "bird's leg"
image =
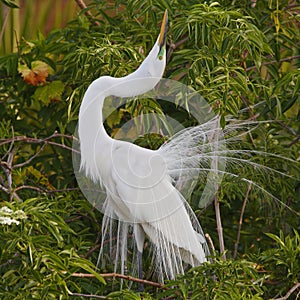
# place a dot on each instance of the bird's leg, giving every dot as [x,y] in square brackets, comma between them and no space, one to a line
[140,271]
[139,235]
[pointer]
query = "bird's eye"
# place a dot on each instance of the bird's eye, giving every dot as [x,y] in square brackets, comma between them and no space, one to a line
[160,57]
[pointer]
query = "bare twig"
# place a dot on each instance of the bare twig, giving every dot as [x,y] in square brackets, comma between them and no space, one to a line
[38,141]
[215,164]
[294,141]
[210,243]
[219,227]
[88,296]
[9,168]
[116,275]
[6,11]
[83,6]
[29,160]
[241,221]
[275,61]
[91,250]
[290,292]
[11,145]
[173,46]
[7,161]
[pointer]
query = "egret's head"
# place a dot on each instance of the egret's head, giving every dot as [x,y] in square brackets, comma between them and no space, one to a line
[155,62]
[149,73]
[162,37]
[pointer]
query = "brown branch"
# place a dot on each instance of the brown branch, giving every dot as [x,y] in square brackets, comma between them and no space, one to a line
[290,292]
[294,141]
[219,227]
[61,190]
[130,278]
[173,46]
[29,160]
[46,141]
[241,221]
[91,250]
[11,145]
[274,62]
[4,189]
[83,6]
[28,187]
[88,296]
[8,166]
[37,141]
[8,170]
[210,243]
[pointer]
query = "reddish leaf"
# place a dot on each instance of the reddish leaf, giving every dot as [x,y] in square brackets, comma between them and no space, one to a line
[38,73]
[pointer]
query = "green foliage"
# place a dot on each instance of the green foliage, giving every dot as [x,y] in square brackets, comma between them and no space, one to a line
[219,280]
[236,55]
[37,254]
[281,263]
[251,278]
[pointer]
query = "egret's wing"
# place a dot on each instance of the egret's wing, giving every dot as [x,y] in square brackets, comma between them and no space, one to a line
[145,191]
[206,153]
[193,154]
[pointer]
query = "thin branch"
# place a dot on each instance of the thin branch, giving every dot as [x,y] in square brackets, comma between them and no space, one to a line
[210,243]
[173,46]
[241,221]
[16,196]
[294,141]
[61,190]
[290,292]
[83,6]
[29,160]
[219,227]
[91,250]
[130,278]
[274,62]
[11,145]
[5,19]
[8,170]
[28,187]
[88,296]
[4,189]
[37,141]
[215,163]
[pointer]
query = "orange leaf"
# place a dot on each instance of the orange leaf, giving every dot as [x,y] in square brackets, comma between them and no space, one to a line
[37,74]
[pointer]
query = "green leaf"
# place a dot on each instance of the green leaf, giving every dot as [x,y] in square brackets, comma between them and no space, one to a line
[51,92]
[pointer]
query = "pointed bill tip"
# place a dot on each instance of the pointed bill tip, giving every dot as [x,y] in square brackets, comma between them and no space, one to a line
[163,30]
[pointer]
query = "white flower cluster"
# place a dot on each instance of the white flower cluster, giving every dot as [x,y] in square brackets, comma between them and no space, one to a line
[8,216]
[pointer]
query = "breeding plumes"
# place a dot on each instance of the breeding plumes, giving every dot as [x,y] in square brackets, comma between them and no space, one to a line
[145,189]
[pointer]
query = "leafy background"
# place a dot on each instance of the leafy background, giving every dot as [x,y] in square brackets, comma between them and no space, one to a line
[237,54]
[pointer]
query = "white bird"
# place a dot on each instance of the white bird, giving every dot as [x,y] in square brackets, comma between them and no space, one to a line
[138,182]
[143,187]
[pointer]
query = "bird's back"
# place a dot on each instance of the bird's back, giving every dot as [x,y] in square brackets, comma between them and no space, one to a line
[142,194]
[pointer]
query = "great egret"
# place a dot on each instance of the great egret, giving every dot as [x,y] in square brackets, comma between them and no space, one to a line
[139,183]
[138,186]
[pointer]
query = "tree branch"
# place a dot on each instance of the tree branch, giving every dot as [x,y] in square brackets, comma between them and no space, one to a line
[88,296]
[37,141]
[219,227]
[241,221]
[274,62]
[210,243]
[290,292]
[29,160]
[130,278]
[83,6]
[173,46]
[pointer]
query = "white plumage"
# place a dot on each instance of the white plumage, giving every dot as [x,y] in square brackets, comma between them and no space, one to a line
[138,182]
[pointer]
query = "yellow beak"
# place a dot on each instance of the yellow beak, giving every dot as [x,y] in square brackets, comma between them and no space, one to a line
[163,31]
